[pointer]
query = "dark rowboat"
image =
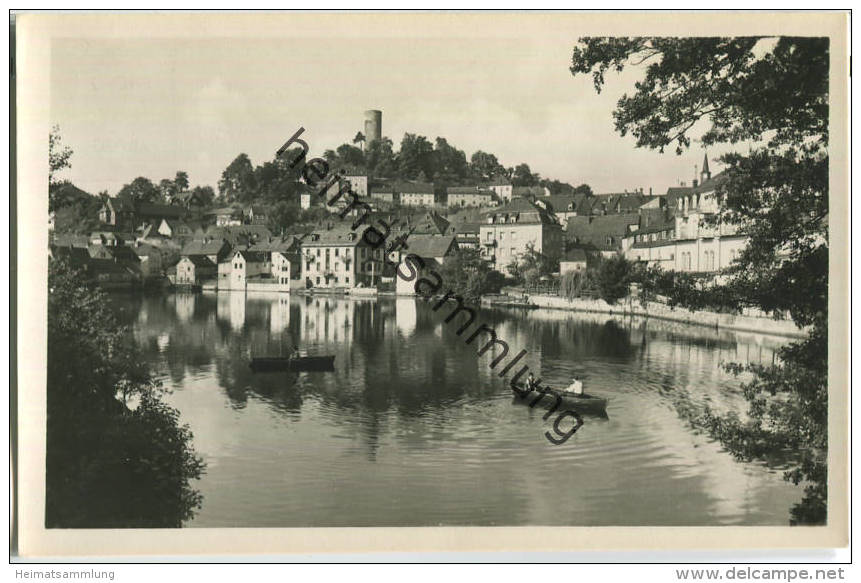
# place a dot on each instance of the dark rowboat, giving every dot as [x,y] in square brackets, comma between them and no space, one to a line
[270,363]
[582,402]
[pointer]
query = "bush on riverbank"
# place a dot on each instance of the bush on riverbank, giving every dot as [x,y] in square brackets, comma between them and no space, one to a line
[117,456]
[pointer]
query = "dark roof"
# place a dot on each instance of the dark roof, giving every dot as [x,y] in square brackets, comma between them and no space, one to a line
[469,190]
[145,250]
[620,202]
[71,240]
[108,266]
[594,231]
[524,211]
[666,225]
[278,244]
[560,202]
[658,243]
[527,190]
[205,247]
[123,253]
[499,181]
[463,228]
[240,234]
[161,210]
[432,223]
[254,256]
[224,211]
[74,256]
[415,188]
[121,204]
[200,260]
[340,236]
[576,254]
[430,245]
[256,209]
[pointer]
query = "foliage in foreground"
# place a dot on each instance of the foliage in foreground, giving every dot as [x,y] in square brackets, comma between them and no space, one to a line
[771,93]
[117,456]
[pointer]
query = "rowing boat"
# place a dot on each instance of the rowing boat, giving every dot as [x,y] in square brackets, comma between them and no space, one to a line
[548,396]
[270,363]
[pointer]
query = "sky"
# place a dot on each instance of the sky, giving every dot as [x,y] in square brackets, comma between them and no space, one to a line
[151,106]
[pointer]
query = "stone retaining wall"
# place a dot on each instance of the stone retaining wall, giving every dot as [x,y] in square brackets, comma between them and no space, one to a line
[745,323]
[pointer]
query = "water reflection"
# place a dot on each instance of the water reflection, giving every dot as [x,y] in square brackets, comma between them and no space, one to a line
[413,428]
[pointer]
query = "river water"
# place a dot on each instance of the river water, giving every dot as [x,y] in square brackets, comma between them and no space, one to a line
[414,429]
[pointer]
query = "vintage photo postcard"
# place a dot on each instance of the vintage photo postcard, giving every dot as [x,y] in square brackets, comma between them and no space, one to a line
[444,281]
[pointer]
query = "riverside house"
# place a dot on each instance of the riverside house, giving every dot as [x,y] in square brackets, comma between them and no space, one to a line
[195,270]
[507,232]
[340,258]
[242,268]
[433,249]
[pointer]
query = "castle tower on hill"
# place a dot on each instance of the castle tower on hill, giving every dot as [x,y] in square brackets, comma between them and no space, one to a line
[373,125]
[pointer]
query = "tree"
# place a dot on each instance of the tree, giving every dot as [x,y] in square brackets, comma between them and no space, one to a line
[359,139]
[167,188]
[485,166]
[351,156]
[523,176]
[380,159]
[116,455]
[773,93]
[58,154]
[468,275]
[450,162]
[583,189]
[181,181]
[237,182]
[205,194]
[415,156]
[140,190]
[613,278]
[58,158]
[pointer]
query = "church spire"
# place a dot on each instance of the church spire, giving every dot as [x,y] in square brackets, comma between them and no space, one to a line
[705,174]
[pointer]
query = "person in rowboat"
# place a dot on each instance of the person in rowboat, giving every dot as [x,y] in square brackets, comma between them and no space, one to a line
[531,384]
[294,353]
[575,387]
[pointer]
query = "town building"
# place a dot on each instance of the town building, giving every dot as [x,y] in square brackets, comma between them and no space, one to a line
[285,260]
[502,187]
[118,213]
[530,191]
[226,216]
[467,234]
[242,268]
[605,235]
[151,259]
[464,196]
[216,249]
[384,193]
[194,270]
[510,230]
[257,214]
[416,194]
[433,250]
[173,228]
[340,258]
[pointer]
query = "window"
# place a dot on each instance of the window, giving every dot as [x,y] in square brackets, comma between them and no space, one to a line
[318,253]
[347,279]
[502,236]
[489,236]
[318,280]
[513,235]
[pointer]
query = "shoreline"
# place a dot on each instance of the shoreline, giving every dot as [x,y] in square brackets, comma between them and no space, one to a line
[706,319]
